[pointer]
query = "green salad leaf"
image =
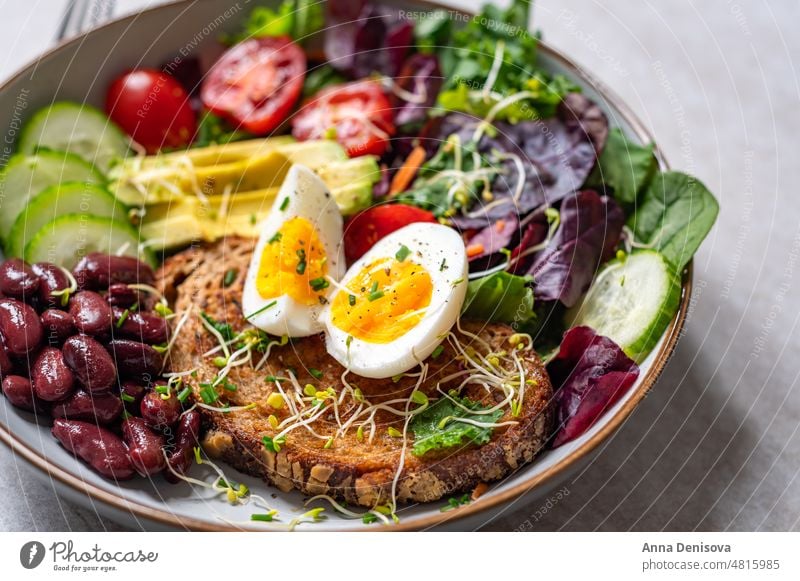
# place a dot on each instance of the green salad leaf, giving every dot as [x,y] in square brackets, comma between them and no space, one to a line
[297,19]
[624,168]
[469,62]
[500,297]
[676,213]
[438,427]
[213,129]
[433,30]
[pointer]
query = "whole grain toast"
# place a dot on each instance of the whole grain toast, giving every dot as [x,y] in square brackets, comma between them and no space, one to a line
[352,466]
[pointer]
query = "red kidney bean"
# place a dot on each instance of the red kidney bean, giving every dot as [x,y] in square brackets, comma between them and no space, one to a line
[52,380]
[91,313]
[145,327]
[96,446]
[186,438]
[90,362]
[6,365]
[20,327]
[97,271]
[19,392]
[135,360]
[121,295]
[17,280]
[51,278]
[160,413]
[132,394]
[58,325]
[100,408]
[145,447]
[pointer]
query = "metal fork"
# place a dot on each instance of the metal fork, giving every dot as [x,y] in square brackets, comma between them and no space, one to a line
[81,15]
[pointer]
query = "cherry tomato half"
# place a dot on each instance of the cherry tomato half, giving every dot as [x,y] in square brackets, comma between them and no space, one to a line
[256,83]
[153,108]
[365,229]
[358,114]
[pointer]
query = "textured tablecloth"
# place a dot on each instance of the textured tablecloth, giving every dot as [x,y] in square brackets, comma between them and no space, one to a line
[715,445]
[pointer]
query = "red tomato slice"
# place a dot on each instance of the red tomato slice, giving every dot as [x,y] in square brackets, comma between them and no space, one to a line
[153,108]
[256,83]
[358,114]
[366,228]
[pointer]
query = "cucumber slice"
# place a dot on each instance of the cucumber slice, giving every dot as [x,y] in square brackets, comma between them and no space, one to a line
[631,301]
[65,240]
[27,175]
[55,201]
[77,128]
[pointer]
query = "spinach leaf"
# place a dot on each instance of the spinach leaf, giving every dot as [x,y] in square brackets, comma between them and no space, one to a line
[438,426]
[624,168]
[676,213]
[501,297]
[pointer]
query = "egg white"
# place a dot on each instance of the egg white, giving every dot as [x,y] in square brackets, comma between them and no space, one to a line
[308,198]
[430,245]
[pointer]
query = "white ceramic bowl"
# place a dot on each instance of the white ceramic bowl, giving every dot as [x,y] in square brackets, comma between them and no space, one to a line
[80,70]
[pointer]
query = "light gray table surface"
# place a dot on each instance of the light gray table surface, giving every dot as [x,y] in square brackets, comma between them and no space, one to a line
[715,446]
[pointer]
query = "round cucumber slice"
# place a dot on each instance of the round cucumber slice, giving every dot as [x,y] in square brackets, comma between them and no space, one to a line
[55,201]
[78,128]
[27,175]
[65,240]
[631,301]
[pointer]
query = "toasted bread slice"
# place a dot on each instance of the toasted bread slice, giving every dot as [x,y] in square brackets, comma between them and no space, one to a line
[352,466]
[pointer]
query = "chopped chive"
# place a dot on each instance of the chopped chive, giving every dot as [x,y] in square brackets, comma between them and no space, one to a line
[374,296]
[230,386]
[316,373]
[261,310]
[352,300]
[270,378]
[161,389]
[128,398]
[284,203]
[319,284]
[230,276]
[437,352]
[443,265]
[184,393]
[122,318]
[276,238]
[403,253]
[374,287]
[369,518]
[208,394]
[458,282]
[261,517]
[301,264]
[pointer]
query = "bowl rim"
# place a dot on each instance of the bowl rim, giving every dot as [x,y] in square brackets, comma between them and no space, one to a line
[118,502]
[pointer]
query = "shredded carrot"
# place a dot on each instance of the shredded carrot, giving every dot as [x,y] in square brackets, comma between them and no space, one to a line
[474,250]
[479,490]
[402,179]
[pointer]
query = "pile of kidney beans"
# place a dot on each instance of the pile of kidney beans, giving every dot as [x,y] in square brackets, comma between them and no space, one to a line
[89,362]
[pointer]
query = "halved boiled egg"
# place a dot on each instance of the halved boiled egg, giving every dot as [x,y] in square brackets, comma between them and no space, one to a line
[397,302]
[298,253]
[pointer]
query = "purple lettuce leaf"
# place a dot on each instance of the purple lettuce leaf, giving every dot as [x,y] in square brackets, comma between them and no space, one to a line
[558,155]
[589,374]
[361,39]
[421,76]
[591,226]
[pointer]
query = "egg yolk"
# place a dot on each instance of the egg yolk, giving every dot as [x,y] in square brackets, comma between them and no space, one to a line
[293,263]
[385,301]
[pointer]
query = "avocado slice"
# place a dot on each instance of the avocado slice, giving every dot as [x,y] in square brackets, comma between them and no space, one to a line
[354,197]
[358,169]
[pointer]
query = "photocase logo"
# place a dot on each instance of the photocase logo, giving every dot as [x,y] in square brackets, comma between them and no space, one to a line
[31,554]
